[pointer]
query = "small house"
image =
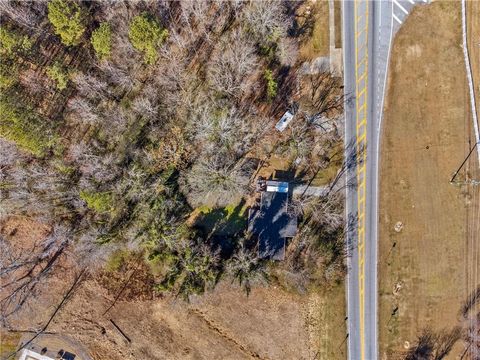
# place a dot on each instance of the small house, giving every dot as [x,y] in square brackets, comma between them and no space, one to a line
[271,223]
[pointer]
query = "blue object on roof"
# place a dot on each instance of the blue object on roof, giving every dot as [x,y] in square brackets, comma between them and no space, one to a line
[277,186]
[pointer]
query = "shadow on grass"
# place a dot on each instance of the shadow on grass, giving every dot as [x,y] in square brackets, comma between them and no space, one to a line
[223,226]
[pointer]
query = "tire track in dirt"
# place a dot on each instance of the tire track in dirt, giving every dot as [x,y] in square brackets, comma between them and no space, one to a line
[217,329]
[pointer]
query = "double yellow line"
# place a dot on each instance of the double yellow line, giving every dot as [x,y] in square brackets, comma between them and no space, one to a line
[361,92]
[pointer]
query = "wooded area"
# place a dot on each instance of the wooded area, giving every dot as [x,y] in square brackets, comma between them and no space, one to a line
[119,119]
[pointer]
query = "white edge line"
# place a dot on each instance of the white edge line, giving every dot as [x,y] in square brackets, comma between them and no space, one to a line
[378,162]
[411,2]
[347,283]
[469,77]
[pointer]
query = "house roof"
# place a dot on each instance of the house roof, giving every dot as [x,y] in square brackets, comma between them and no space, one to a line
[272,224]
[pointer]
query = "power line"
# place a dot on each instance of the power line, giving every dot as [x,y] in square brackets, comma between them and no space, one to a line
[464,161]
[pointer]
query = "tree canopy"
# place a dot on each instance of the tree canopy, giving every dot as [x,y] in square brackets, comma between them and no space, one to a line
[67,19]
[102,40]
[11,42]
[57,74]
[146,35]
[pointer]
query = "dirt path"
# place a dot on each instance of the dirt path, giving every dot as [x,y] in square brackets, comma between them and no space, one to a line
[425,267]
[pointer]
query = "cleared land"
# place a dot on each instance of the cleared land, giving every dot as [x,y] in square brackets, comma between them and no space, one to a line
[427,127]
[271,323]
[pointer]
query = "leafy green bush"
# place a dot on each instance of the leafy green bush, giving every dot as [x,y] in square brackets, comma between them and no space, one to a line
[146,35]
[23,127]
[116,260]
[11,42]
[67,19]
[8,75]
[100,202]
[102,40]
[193,269]
[57,74]
[271,84]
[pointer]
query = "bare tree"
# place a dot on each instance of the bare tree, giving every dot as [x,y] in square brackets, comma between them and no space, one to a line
[118,76]
[144,107]
[230,131]
[266,20]
[10,153]
[82,111]
[37,190]
[323,94]
[434,346]
[90,86]
[300,142]
[470,302]
[28,14]
[99,168]
[33,81]
[89,253]
[472,336]
[232,65]
[287,51]
[194,15]
[326,211]
[246,268]
[216,178]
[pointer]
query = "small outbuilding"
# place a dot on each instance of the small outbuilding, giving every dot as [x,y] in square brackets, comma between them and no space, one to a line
[271,223]
[284,121]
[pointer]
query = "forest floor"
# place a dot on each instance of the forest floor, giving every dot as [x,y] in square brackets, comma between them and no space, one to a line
[426,268]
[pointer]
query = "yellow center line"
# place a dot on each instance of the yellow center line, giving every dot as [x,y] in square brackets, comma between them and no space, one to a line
[361,122]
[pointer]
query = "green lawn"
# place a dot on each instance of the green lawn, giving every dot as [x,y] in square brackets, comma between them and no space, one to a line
[228,220]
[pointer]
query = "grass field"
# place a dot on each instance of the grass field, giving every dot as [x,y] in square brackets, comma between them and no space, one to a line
[332,340]
[424,268]
[338,23]
[318,43]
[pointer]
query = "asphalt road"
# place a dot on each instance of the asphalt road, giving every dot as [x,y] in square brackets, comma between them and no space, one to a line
[368,28]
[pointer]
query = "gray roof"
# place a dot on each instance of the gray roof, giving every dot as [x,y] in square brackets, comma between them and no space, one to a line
[272,224]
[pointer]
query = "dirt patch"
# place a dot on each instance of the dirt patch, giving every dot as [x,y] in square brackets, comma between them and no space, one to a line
[427,133]
[24,232]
